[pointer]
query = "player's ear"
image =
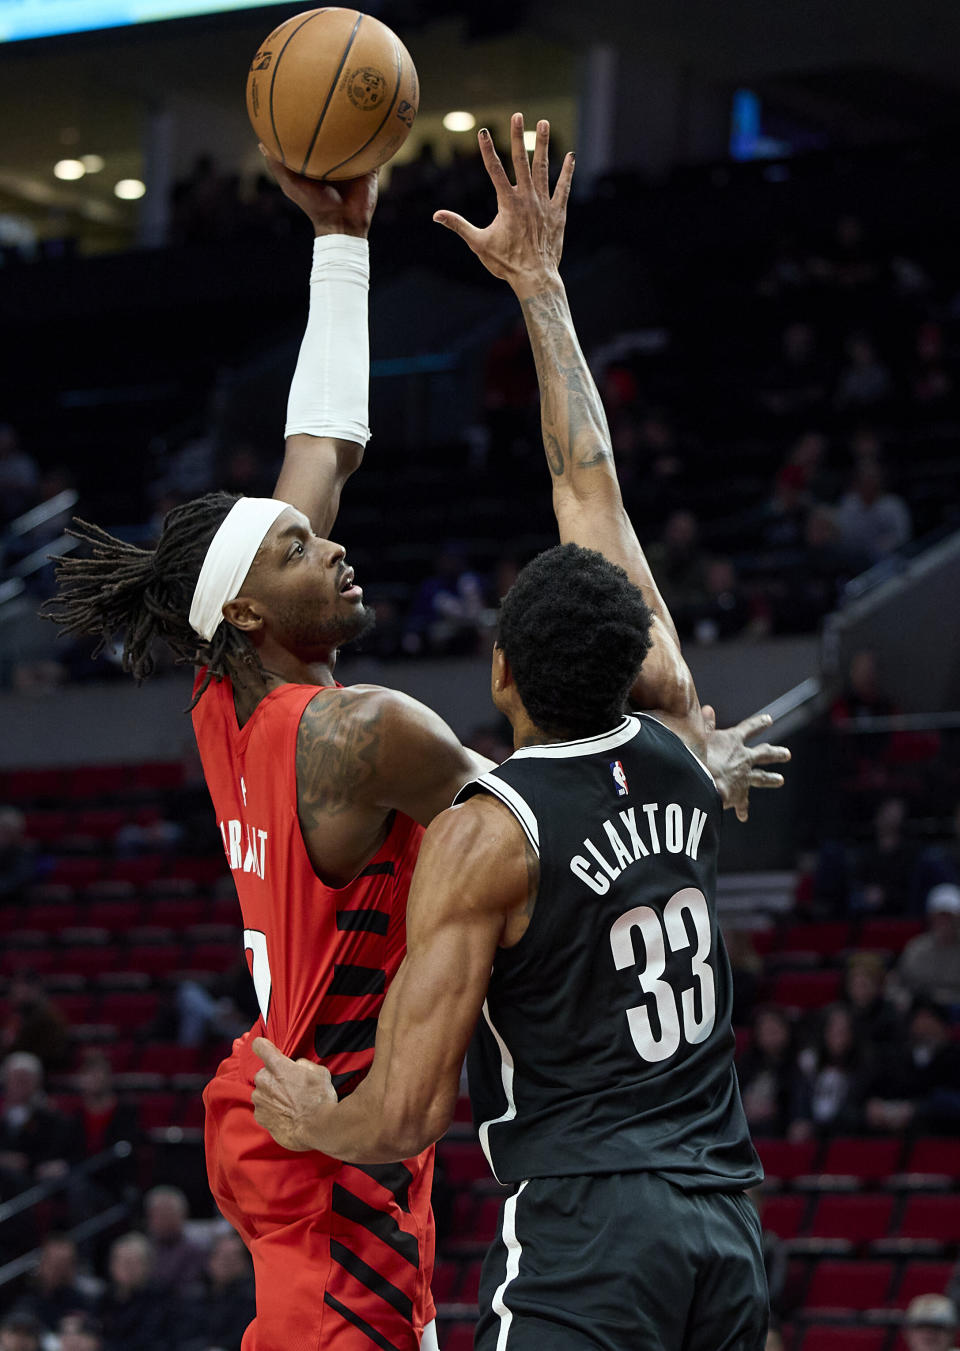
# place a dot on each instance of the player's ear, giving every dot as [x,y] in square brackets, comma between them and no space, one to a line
[243,614]
[501,677]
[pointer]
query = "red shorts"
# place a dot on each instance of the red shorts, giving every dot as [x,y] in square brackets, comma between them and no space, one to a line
[342,1255]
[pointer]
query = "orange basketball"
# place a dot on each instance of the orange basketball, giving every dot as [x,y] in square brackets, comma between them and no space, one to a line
[332,93]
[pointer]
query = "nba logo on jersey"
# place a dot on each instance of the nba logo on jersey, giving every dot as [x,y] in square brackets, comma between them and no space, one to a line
[619,778]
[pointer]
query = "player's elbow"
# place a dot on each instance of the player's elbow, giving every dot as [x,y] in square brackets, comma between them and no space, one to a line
[408,1132]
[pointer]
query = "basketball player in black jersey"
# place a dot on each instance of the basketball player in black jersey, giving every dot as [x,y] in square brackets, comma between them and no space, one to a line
[564,912]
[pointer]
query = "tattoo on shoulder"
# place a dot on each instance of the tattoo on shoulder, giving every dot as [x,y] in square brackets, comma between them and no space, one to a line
[338,746]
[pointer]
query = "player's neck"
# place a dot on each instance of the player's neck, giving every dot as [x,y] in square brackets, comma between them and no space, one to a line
[277,667]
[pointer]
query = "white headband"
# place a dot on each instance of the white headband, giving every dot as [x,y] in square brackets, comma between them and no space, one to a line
[232,550]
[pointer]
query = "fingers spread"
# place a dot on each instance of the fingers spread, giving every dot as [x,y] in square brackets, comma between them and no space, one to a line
[766,754]
[562,191]
[491,162]
[541,160]
[760,778]
[521,161]
[467,232]
[709,714]
[752,725]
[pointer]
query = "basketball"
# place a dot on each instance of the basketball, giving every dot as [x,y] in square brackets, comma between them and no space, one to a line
[332,93]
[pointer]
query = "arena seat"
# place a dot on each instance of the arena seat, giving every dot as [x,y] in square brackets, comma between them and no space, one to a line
[786,1159]
[872,1158]
[856,1219]
[848,1285]
[52,919]
[823,1337]
[892,935]
[459,1337]
[118,916]
[935,1154]
[806,989]
[155,961]
[129,1009]
[463,1163]
[931,1218]
[446,1277]
[469,1292]
[923,1278]
[827,939]
[167,1058]
[784,1215]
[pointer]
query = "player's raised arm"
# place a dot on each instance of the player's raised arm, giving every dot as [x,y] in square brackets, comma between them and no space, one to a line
[474,874]
[326,429]
[523,245]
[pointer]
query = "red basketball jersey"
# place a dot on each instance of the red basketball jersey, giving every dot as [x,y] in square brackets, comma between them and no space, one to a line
[321,957]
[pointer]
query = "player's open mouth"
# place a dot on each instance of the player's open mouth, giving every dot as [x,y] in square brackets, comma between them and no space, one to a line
[348,588]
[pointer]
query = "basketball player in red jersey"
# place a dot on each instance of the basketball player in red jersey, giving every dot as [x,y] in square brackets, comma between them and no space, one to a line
[320,794]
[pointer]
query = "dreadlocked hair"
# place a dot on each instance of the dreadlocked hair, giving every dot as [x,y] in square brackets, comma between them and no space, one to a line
[145,594]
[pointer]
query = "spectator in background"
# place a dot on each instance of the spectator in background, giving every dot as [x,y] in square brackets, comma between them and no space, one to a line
[100,1121]
[864,381]
[21,1332]
[872,522]
[133,1313]
[679,565]
[884,868]
[766,1071]
[215,1314]
[782,524]
[33,1136]
[724,611]
[19,475]
[796,385]
[80,1332]
[916,1084]
[448,609]
[875,1019]
[55,1288]
[863,695]
[177,1260]
[34,1024]
[930,1324]
[929,966]
[828,1091]
[932,386]
[17,862]
[941,862]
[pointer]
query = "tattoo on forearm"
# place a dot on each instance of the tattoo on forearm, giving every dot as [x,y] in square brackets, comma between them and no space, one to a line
[338,744]
[575,432]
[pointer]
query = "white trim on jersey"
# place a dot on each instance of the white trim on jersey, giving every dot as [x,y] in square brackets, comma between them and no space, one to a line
[514,1249]
[509,796]
[506,1078]
[684,745]
[565,750]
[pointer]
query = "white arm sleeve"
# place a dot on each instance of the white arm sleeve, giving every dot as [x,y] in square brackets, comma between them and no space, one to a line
[328,395]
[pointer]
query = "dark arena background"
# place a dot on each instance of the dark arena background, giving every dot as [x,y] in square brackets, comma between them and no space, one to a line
[763,266]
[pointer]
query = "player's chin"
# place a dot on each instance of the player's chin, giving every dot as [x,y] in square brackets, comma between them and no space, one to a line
[357,622]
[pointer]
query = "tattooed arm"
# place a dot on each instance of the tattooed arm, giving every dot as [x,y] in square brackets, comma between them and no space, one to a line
[363,753]
[523,246]
[473,888]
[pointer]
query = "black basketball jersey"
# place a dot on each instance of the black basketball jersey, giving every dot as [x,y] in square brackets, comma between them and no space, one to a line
[605,1043]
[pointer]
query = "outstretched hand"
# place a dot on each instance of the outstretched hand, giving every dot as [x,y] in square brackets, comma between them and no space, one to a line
[735,766]
[286,1094]
[523,243]
[344,207]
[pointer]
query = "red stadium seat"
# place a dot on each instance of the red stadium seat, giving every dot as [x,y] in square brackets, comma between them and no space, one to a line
[160,777]
[858,1219]
[32,785]
[848,1285]
[78,1008]
[871,1158]
[76,872]
[157,1110]
[806,989]
[783,1215]
[129,1009]
[446,1277]
[933,1154]
[156,961]
[192,1113]
[140,870]
[826,1338]
[166,1058]
[923,1278]
[119,917]
[53,919]
[212,956]
[459,1337]
[469,1292]
[931,1217]
[179,915]
[463,1163]
[88,961]
[49,827]
[889,934]
[786,1159]
[826,939]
